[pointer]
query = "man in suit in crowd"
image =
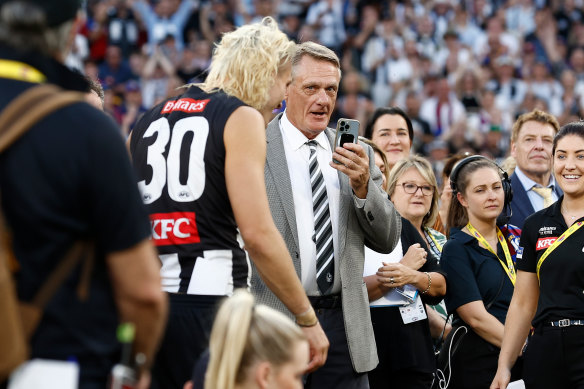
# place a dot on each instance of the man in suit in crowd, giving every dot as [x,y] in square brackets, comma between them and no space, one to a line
[325,221]
[534,186]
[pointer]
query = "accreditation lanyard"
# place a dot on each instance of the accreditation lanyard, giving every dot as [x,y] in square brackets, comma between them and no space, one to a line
[573,228]
[20,71]
[510,268]
[433,242]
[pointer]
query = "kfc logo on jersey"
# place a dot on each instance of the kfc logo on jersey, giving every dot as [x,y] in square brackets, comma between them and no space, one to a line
[185,105]
[544,243]
[174,228]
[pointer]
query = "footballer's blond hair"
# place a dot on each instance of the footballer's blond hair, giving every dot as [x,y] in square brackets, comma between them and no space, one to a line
[246,62]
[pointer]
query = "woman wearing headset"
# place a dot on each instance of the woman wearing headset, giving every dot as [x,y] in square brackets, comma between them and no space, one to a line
[479,260]
[550,282]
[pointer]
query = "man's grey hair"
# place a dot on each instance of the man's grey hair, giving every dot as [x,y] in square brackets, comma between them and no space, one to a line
[316,51]
[23,26]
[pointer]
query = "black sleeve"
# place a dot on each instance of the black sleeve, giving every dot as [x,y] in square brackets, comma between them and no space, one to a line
[116,207]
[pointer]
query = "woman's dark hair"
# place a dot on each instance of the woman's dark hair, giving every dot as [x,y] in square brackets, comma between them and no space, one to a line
[451,161]
[573,128]
[388,111]
[457,214]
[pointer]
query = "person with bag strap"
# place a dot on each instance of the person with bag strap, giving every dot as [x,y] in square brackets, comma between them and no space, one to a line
[20,320]
[478,255]
[68,179]
[549,293]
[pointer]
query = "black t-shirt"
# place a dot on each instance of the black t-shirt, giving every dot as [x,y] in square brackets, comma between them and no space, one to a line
[561,289]
[179,156]
[69,178]
[475,274]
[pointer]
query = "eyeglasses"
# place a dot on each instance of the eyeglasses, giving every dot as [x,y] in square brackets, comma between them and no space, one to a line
[411,188]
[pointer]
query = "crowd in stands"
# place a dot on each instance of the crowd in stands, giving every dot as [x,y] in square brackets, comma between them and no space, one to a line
[462,70]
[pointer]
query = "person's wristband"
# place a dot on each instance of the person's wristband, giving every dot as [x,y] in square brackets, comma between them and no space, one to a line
[429,282]
[307,319]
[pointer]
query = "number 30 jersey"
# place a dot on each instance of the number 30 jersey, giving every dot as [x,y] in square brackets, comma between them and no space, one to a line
[179,157]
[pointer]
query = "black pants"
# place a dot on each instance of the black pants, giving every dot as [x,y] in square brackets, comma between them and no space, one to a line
[474,364]
[187,335]
[337,372]
[554,359]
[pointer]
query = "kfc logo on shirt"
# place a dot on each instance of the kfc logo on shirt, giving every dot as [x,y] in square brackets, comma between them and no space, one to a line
[174,228]
[544,243]
[185,105]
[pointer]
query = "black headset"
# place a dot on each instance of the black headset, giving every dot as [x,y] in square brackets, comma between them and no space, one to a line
[505,181]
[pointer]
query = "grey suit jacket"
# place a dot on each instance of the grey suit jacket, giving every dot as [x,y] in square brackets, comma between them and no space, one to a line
[377,224]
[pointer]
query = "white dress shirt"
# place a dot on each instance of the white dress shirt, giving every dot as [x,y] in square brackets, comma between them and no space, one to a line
[297,157]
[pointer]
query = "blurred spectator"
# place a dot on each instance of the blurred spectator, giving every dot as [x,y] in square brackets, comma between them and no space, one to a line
[154,78]
[567,14]
[421,128]
[376,39]
[519,17]
[114,71]
[195,60]
[215,18]
[291,25]
[122,27]
[573,97]
[509,90]
[78,54]
[544,86]
[468,88]
[163,18]
[467,31]
[132,108]
[353,101]
[577,62]
[326,17]
[442,110]
[452,54]
[442,13]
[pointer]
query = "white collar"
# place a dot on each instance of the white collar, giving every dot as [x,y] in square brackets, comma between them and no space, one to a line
[528,183]
[296,139]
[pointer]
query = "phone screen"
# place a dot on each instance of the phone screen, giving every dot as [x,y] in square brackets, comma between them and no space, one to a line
[346,138]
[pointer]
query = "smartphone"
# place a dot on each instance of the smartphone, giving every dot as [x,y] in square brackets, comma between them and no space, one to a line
[347,132]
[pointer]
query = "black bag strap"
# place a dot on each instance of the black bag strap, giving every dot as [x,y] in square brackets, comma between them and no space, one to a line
[15,120]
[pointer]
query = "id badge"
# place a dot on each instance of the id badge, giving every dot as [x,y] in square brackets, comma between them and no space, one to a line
[413,312]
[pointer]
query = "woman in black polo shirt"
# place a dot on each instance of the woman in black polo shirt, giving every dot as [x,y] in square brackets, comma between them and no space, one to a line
[550,281]
[479,262]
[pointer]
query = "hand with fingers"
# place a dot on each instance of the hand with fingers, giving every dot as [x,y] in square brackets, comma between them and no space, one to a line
[415,257]
[354,162]
[405,272]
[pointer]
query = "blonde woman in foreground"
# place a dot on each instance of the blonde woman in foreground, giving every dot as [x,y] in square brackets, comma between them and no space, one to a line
[255,347]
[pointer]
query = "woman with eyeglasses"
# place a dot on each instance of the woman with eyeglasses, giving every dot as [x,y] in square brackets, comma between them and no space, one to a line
[399,284]
[479,259]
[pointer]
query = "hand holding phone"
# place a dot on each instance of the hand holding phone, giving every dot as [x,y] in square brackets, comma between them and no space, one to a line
[347,132]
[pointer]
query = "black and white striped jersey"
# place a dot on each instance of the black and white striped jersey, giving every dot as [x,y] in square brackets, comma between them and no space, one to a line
[179,157]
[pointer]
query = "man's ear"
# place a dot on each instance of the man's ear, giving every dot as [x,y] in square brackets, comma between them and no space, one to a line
[513,149]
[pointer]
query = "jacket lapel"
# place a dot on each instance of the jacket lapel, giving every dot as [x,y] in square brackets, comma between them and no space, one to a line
[344,201]
[277,172]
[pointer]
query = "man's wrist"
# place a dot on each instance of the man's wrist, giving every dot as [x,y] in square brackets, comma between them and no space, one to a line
[307,318]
